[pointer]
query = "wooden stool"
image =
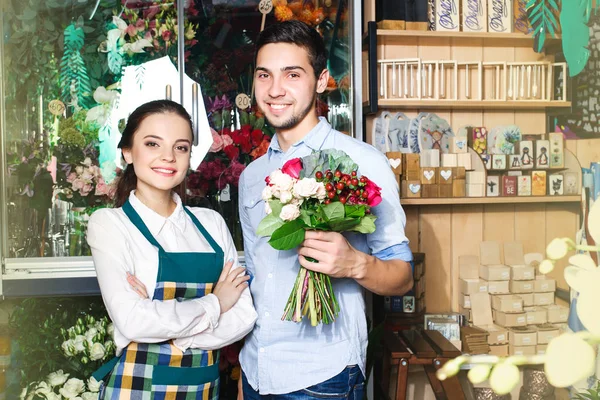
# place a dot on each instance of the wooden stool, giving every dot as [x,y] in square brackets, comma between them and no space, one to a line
[427,348]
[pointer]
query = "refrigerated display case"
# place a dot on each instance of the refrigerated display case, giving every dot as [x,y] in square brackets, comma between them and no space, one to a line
[71,71]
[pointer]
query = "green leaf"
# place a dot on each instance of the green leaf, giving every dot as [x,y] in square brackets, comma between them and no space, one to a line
[288,236]
[345,224]
[366,225]
[354,211]
[269,224]
[334,211]
[541,15]
[49,25]
[305,216]
[276,206]
[576,35]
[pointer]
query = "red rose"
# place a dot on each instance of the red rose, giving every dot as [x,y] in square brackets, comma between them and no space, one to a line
[257,137]
[374,193]
[292,168]
[232,152]
[246,144]
[234,171]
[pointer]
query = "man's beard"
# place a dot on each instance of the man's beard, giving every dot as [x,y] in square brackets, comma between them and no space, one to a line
[295,119]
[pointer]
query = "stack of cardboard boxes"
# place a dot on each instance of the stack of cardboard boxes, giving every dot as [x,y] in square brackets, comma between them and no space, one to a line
[509,300]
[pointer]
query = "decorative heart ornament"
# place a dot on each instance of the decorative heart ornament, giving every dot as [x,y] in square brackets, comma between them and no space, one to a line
[395,162]
[414,188]
[446,174]
[428,174]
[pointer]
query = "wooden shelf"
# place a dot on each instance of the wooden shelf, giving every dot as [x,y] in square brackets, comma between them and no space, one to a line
[489,200]
[516,39]
[473,104]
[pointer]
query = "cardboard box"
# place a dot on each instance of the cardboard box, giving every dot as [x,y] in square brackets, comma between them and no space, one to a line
[544,285]
[546,332]
[459,188]
[471,286]
[449,160]
[429,175]
[514,161]
[557,155]
[499,350]
[555,185]
[536,315]
[527,299]
[458,144]
[538,183]
[507,303]
[474,16]
[510,319]
[522,273]
[464,300]
[521,350]
[481,309]
[525,148]
[524,185]
[495,273]
[497,287]
[411,189]
[499,161]
[468,267]
[557,313]
[466,312]
[509,185]
[521,286]
[513,253]
[497,334]
[543,299]
[542,154]
[489,253]
[519,336]
[493,186]
[541,349]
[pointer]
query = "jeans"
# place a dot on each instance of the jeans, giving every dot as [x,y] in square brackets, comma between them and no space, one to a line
[348,384]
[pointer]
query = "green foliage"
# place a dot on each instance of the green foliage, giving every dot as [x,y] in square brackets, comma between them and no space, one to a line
[576,34]
[36,325]
[542,17]
[74,79]
[327,159]
[589,394]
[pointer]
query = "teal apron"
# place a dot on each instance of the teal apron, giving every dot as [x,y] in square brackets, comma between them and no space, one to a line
[160,370]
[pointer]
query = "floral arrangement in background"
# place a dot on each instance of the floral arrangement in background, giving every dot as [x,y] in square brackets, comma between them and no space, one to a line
[571,356]
[298,10]
[89,340]
[85,185]
[58,386]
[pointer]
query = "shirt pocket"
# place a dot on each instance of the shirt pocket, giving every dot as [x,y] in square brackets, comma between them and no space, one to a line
[254,206]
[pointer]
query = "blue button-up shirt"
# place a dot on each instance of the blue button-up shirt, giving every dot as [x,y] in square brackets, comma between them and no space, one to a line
[282,356]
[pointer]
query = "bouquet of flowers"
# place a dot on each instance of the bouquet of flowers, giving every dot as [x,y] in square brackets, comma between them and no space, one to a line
[89,340]
[86,186]
[322,191]
[58,386]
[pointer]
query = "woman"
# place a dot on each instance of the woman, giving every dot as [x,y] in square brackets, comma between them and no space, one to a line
[166,344]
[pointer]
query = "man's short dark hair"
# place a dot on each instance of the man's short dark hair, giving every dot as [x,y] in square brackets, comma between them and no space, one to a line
[300,34]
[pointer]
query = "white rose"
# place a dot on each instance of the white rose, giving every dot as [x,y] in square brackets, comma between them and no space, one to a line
[57,378]
[305,188]
[89,335]
[321,192]
[89,396]
[78,343]
[97,352]
[268,209]
[281,181]
[68,348]
[79,170]
[43,388]
[93,385]
[23,394]
[54,396]
[87,162]
[110,330]
[267,193]
[289,212]
[72,388]
[285,197]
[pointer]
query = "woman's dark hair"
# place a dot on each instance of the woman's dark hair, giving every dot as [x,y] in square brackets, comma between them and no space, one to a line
[127,179]
[300,34]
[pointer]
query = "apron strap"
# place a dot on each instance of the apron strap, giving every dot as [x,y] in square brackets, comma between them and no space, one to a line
[139,223]
[102,372]
[204,233]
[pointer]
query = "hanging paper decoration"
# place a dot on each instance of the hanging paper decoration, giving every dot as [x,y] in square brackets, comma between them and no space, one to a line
[74,79]
[576,34]
[542,16]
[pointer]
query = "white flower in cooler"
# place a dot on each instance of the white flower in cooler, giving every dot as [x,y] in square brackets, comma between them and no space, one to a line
[78,343]
[57,378]
[93,385]
[68,348]
[97,352]
[72,388]
[90,334]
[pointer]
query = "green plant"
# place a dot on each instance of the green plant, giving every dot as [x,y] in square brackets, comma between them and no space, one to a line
[74,79]
[542,16]
[576,34]
[592,393]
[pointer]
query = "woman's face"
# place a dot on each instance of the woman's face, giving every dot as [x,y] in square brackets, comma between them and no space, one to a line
[160,153]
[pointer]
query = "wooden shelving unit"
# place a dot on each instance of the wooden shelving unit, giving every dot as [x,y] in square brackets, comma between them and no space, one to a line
[490,200]
[473,104]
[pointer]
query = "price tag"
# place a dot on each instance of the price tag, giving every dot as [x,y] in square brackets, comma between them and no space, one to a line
[56,107]
[225,194]
[242,101]
[265,6]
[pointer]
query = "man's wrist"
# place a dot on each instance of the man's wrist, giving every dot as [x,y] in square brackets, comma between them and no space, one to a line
[359,270]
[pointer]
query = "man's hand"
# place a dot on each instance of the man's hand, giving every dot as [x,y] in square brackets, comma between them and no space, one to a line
[337,258]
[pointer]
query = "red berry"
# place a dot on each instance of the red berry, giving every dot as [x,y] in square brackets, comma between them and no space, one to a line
[338,173]
[343,200]
[365,195]
[354,182]
[327,201]
[357,192]
[353,173]
[363,179]
[331,195]
[340,186]
[329,187]
[319,175]
[328,171]
[368,211]
[329,175]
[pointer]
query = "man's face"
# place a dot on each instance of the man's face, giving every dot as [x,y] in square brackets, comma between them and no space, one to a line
[285,86]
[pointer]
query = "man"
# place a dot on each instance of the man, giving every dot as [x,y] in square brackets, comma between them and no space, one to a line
[290,360]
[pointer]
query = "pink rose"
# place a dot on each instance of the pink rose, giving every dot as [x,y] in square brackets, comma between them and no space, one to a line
[374,193]
[292,168]
[227,140]
[217,142]
[72,176]
[78,184]
[87,188]
[101,188]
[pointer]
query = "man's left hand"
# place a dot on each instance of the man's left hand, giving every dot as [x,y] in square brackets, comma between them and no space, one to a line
[337,258]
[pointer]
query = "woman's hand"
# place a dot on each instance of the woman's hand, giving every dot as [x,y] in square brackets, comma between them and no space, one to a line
[137,286]
[230,286]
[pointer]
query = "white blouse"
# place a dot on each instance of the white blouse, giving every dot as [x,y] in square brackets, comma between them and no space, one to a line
[119,247]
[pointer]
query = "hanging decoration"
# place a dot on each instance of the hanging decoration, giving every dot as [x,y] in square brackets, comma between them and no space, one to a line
[574,21]
[542,15]
[74,79]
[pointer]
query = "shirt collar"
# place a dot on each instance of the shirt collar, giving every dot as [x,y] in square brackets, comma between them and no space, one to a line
[154,221]
[314,139]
